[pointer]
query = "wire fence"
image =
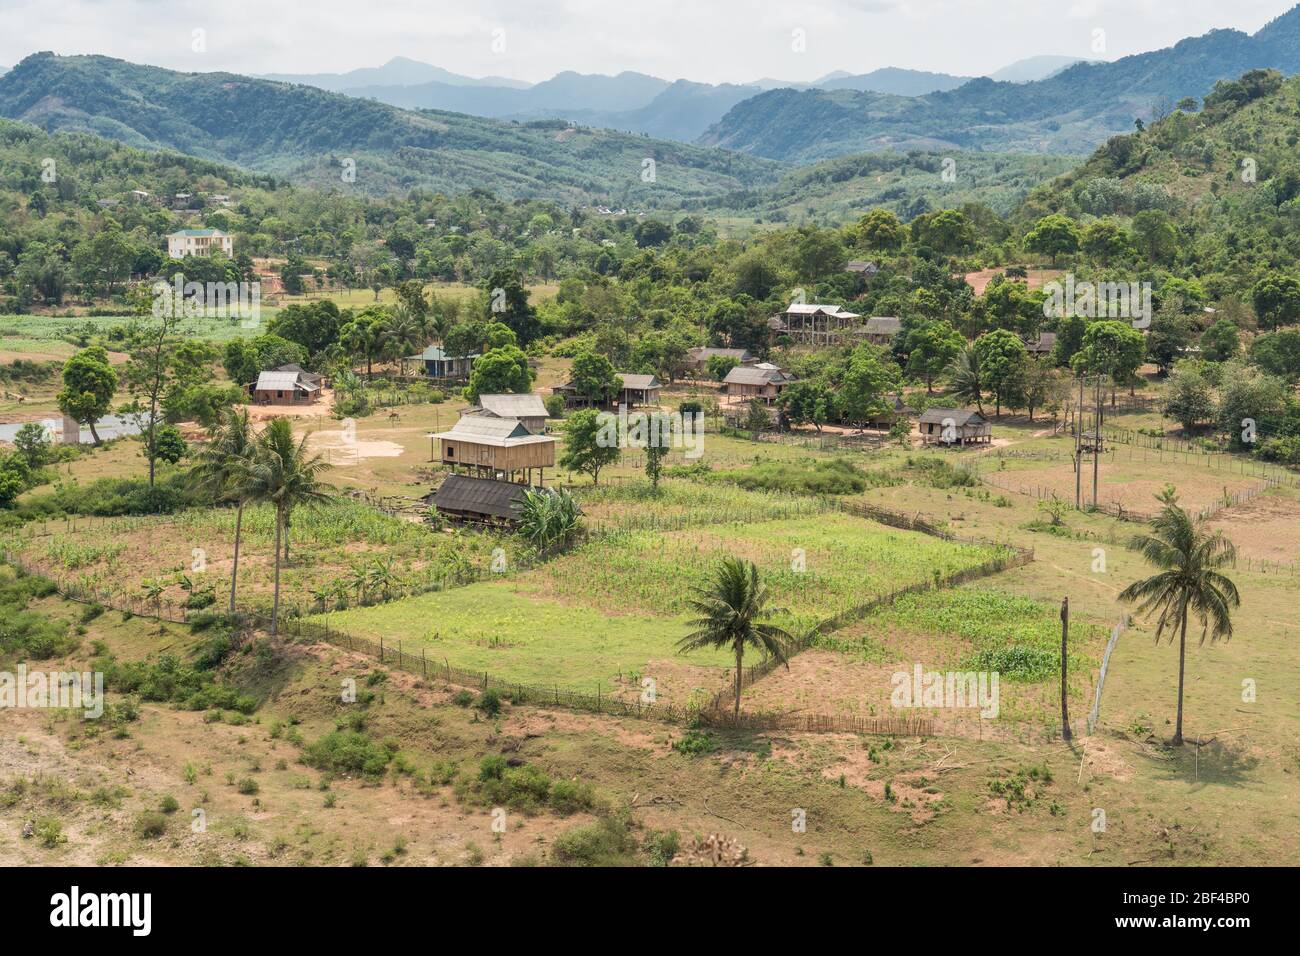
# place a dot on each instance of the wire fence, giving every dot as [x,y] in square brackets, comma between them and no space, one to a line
[820,723]
[1013,557]
[1117,509]
[1214,459]
[516,691]
[639,704]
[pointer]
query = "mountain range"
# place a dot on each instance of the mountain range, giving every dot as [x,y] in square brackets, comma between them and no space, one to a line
[1071,111]
[317,137]
[544,145]
[635,102]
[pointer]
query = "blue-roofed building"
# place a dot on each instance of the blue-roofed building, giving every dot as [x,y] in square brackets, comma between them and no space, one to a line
[438,364]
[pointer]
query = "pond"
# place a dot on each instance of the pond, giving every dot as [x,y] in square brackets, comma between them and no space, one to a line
[110,426]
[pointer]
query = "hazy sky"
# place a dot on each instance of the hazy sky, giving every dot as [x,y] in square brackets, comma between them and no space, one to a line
[708,40]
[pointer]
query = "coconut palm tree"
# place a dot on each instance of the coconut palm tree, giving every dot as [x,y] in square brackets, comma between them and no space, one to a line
[733,610]
[966,378]
[282,474]
[220,468]
[1188,584]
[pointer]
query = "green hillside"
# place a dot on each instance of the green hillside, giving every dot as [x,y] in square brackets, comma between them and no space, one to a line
[1226,179]
[309,136]
[906,184]
[1070,112]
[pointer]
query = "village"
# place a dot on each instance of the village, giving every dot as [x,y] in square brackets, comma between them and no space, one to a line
[449,529]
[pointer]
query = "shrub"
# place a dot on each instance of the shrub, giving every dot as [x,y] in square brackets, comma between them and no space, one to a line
[489,702]
[50,833]
[571,796]
[606,843]
[693,743]
[348,751]
[833,476]
[150,824]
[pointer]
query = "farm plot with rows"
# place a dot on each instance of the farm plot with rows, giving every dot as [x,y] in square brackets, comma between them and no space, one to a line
[634,505]
[340,554]
[612,610]
[972,628]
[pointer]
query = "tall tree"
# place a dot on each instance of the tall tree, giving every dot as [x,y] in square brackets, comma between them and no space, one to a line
[1188,584]
[1002,358]
[586,448]
[148,374]
[1053,235]
[499,371]
[931,348]
[507,301]
[221,470]
[1277,299]
[734,609]
[284,475]
[1113,348]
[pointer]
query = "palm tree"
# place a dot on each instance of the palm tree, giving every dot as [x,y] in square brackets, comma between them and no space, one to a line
[220,469]
[285,476]
[1189,583]
[967,380]
[732,610]
[399,336]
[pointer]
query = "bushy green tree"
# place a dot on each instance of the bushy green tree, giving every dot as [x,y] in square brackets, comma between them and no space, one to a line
[586,448]
[89,383]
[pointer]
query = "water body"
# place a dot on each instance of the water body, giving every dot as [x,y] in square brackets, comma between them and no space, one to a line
[110,426]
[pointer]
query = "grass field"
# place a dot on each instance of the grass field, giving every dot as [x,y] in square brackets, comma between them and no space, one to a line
[618,603]
[936,801]
[512,631]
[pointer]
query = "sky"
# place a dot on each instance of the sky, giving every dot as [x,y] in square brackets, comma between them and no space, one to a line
[705,40]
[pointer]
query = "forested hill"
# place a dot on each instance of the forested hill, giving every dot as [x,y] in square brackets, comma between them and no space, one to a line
[312,136]
[1238,152]
[1217,190]
[1072,111]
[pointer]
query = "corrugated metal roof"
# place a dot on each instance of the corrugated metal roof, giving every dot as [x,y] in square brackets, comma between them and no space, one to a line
[960,416]
[435,354]
[809,308]
[704,353]
[638,381]
[282,382]
[752,375]
[499,432]
[513,406]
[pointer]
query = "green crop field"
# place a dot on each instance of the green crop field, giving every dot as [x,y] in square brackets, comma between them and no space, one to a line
[513,633]
[619,603]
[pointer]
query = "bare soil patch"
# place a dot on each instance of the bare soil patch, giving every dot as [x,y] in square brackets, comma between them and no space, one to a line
[1267,528]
